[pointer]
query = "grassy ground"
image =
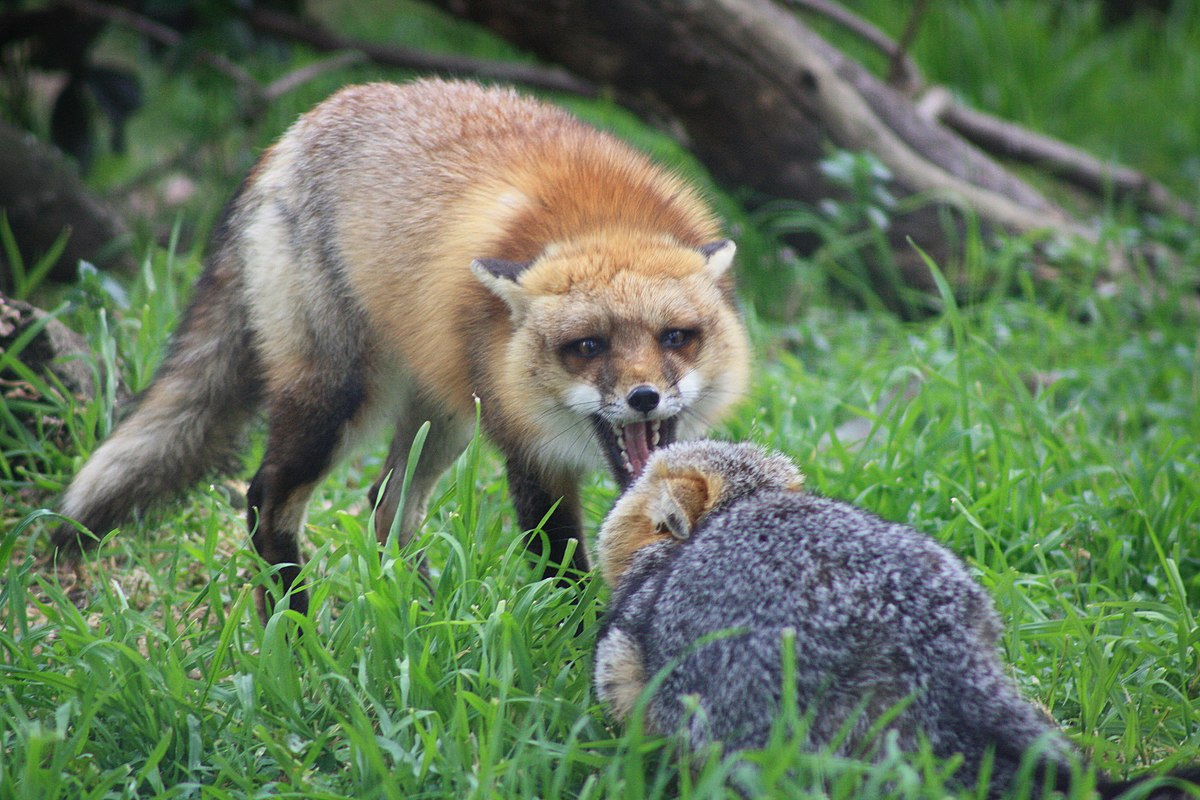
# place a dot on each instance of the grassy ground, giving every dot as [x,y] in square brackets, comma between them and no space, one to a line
[1049,434]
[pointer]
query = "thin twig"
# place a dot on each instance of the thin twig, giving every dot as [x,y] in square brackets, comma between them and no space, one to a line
[319,38]
[904,73]
[165,35]
[900,69]
[185,159]
[297,77]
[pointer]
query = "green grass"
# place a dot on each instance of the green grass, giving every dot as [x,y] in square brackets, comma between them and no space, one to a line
[1076,504]
[1047,433]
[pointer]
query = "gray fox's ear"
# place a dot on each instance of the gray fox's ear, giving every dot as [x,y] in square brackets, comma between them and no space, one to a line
[675,524]
[682,499]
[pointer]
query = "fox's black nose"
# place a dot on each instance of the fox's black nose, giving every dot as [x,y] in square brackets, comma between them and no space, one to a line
[643,398]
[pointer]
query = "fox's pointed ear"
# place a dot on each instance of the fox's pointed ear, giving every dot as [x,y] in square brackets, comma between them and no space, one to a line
[502,278]
[682,500]
[718,256]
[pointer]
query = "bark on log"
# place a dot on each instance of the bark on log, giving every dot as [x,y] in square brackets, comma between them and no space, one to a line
[761,99]
[55,350]
[42,359]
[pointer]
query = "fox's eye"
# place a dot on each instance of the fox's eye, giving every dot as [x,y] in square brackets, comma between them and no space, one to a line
[588,347]
[676,338]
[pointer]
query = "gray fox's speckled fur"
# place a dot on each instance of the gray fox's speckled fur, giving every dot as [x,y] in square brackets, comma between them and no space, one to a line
[717,537]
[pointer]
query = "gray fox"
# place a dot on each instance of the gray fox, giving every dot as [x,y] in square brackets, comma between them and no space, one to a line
[402,250]
[720,540]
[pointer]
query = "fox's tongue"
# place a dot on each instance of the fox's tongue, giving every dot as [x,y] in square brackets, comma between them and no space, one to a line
[637,446]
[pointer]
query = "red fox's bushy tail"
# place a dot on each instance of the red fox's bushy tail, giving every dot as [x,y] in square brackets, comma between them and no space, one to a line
[186,423]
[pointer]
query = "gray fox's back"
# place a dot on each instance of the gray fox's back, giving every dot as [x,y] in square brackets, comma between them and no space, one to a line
[883,616]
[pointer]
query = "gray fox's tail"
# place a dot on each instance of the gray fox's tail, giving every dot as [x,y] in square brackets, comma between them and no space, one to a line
[186,423]
[1171,787]
[1057,776]
[990,714]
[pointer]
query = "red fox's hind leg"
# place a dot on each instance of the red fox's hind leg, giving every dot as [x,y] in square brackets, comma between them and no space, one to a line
[305,429]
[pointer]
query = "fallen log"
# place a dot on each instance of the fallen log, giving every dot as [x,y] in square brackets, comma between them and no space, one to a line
[761,99]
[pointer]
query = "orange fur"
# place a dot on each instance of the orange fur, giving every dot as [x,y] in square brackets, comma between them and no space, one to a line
[676,493]
[613,235]
[666,504]
[510,191]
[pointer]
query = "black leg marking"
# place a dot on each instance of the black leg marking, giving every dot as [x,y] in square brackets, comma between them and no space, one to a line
[533,500]
[274,540]
[304,431]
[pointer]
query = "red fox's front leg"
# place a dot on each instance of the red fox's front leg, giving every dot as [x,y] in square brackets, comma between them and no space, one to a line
[533,499]
[306,425]
[448,436]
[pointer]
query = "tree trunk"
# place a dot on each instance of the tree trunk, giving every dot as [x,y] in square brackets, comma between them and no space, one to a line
[42,196]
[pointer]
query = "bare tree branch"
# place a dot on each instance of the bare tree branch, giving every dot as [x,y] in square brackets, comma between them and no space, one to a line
[162,34]
[904,73]
[761,99]
[1071,164]
[290,27]
[350,52]
[994,135]
[901,70]
[298,77]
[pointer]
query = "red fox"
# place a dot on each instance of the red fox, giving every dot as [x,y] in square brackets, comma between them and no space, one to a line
[402,250]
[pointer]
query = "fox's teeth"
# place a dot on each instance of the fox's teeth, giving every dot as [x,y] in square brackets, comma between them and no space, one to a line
[654,426]
[619,432]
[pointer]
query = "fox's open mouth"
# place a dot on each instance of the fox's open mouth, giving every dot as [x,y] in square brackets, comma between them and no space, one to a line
[628,447]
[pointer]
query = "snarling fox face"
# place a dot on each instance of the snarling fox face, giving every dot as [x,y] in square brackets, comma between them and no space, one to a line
[620,346]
